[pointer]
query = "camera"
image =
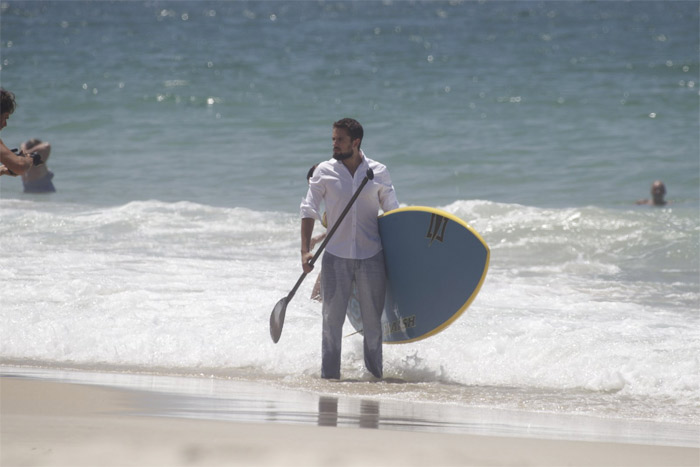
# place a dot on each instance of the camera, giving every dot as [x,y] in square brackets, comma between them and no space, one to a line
[36,157]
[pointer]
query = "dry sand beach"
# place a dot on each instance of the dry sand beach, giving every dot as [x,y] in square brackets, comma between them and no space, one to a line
[54,423]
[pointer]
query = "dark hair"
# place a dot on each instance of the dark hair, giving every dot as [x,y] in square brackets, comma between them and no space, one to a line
[352,126]
[32,142]
[7,101]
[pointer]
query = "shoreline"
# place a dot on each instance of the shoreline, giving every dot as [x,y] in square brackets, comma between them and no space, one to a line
[237,396]
[61,422]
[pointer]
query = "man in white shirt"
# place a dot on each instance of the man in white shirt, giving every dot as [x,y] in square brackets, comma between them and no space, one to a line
[354,252]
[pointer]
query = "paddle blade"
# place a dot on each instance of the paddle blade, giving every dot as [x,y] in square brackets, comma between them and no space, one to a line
[277,320]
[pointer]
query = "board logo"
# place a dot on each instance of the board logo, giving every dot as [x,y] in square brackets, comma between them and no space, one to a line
[436,229]
[400,325]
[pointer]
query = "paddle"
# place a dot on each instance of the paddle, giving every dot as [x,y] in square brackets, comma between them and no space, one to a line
[277,316]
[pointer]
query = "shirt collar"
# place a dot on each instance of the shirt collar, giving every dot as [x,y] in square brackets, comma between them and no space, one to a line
[364,164]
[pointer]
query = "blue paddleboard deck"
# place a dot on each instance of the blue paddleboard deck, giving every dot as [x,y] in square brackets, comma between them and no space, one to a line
[435,266]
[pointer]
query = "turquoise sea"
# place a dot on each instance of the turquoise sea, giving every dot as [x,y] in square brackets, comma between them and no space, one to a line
[182,132]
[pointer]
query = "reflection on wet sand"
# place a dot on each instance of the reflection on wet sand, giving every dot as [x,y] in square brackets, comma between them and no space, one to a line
[328,413]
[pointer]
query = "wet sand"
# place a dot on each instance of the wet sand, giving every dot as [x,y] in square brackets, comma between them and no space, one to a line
[50,423]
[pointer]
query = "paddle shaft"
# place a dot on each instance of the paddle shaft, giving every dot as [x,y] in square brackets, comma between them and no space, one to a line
[368,177]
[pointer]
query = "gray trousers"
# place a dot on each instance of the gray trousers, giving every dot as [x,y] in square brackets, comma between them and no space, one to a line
[337,275]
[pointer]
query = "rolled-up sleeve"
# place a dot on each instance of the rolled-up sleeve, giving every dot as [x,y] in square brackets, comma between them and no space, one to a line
[311,205]
[386,194]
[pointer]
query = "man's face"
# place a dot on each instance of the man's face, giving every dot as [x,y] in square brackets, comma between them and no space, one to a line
[658,190]
[342,144]
[3,119]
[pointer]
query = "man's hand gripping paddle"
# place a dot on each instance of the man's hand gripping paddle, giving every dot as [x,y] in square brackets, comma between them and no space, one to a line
[277,316]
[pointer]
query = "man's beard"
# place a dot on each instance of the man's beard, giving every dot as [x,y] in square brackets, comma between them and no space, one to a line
[339,156]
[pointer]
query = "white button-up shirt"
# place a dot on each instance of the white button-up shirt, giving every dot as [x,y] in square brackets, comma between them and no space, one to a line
[357,236]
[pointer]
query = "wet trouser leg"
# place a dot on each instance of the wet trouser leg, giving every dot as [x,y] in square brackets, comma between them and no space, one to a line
[337,275]
[370,279]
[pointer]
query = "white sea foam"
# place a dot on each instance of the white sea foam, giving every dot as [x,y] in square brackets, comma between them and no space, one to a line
[182,287]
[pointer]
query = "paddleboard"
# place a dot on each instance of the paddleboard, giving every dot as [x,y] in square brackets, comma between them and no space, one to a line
[435,266]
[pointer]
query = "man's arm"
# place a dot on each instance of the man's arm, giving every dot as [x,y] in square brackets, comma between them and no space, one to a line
[17,164]
[307,228]
[387,195]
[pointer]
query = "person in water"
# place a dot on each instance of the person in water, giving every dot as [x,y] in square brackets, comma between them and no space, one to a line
[658,192]
[38,180]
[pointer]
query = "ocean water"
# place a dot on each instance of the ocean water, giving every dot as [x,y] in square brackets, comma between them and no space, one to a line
[182,133]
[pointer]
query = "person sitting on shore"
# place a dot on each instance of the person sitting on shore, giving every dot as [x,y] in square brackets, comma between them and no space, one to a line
[38,180]
[658,191]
